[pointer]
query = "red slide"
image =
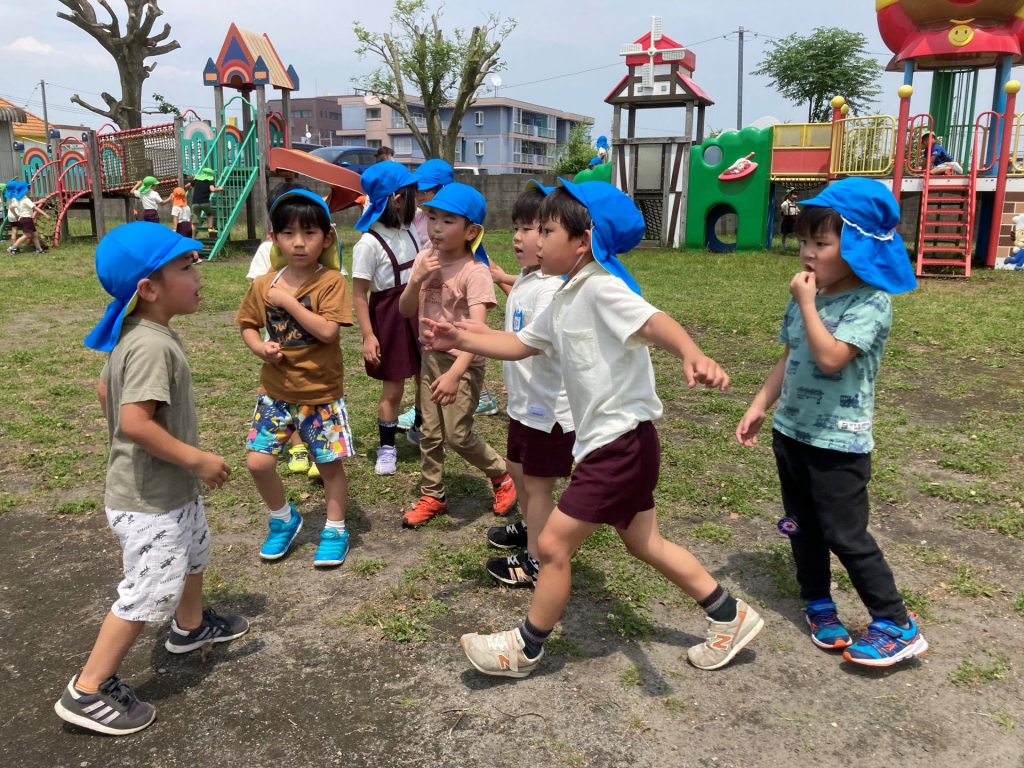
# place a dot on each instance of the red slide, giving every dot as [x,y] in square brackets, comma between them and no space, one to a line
[345,189]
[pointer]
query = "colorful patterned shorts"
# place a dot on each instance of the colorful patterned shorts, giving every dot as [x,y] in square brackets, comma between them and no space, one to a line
[323,428]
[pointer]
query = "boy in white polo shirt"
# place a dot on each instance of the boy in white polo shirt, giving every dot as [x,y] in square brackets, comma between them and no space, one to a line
[599,327]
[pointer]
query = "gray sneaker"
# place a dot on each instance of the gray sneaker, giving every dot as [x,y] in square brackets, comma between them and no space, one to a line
[726,638]
[500,654]
[214,629]
[414,435]
[113,709]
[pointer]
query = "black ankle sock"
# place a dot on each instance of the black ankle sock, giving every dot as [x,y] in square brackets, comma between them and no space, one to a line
[387,431]
[534,639]
[720,605]
[418,420]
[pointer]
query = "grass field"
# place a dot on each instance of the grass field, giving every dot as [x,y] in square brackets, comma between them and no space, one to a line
[946,498]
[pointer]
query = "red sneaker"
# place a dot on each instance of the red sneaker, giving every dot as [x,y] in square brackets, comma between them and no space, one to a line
[423,511]
[504,494]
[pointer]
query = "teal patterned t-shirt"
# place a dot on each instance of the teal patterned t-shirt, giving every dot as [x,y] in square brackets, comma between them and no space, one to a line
[834,410]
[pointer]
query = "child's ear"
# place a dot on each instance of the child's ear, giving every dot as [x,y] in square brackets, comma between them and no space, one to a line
[585,241]
[329,237]
[146,289]
[473,232]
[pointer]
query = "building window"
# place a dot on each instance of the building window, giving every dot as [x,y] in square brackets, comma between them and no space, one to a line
[479,117]
[373,113]
[323,113]
[479,148]
[403,145]
[334,115]
[302,113]
[375,143]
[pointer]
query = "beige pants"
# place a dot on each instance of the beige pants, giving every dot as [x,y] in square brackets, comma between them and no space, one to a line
[453,423]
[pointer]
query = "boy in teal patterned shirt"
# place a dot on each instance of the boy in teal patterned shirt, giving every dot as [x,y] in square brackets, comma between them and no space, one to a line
[835,328]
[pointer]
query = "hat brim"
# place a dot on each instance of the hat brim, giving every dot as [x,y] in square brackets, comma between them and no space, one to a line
[541,187]
[443,206]
[373,212]
[883,264]
[330,257]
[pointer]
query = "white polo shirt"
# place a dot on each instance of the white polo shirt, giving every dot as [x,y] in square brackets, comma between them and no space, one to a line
[590,327]
[369,262]
[150,200]
[536,394]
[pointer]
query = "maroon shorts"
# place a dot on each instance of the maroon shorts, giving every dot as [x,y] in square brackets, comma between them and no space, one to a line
[184,228]
[616,482]
[150,215]
[542,454]
[27,226]
[788,225]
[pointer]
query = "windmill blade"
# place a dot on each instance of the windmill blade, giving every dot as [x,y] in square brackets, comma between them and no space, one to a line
[630,49]
[647,77]
[655,28]
[673,54]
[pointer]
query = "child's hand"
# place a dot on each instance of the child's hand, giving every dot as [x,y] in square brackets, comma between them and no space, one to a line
[270,352]
[211,469]
[473,326]
[803,287]
[704,370]
[445,388]
[497,273]
[371,350]
[440,337]
[426,262]
[750,425]
[279,297]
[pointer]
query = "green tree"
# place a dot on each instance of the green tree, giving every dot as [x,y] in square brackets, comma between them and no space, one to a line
[443,72]
[164,107]
[577,152]
[829,62]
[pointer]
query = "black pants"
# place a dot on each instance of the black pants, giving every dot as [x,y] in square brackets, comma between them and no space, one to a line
[826,492]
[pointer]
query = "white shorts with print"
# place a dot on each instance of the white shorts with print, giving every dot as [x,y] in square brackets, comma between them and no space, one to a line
[159,549]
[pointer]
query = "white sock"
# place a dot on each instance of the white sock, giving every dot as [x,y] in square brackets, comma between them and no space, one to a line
[284,513]
[337,525]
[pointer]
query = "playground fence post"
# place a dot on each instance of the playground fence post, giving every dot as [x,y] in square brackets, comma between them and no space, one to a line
[95,168]
[1002,167]
[905,92]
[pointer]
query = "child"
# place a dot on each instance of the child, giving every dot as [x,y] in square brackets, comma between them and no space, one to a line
[24,208]
[790,210]
[835,328]
[943,163]
[449,284]
[149,197]
[540,430]
[303,305]
[381,261]
[203,187]
[598,327]
[181,214]
[154,471]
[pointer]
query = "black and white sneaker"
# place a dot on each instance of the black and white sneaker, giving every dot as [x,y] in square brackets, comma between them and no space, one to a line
[508,536]
[214,629]
[514,570]
[113,709]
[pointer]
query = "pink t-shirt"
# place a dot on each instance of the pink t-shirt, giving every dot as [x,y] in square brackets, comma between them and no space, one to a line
[422,223]
[450,291]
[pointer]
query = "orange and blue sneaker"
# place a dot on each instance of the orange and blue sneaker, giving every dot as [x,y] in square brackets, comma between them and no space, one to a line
[886,643]
[826,630]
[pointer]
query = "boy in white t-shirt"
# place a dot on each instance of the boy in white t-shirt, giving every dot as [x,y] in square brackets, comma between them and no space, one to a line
[599,327]
[149,197]
[540,431]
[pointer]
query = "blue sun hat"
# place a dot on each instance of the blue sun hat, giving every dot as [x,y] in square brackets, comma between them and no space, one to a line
[602,142]
[433,173]
[617,224]
[127,255]
[465,201]
[331,255]
[16,190]
[596,160]
[379,182]
[870,243]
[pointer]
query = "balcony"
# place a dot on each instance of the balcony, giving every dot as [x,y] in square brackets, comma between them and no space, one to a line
[526,158]
[534,131]
[397,121]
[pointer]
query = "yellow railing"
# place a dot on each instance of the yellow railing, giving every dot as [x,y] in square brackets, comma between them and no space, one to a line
[802,135]
[864,146]
[1016,150]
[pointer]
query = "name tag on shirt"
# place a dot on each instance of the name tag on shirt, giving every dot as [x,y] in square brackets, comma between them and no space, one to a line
[854,426]
[538,410]
[517,321]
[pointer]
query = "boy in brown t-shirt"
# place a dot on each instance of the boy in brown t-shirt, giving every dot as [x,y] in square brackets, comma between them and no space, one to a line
[303,304]
[448,284]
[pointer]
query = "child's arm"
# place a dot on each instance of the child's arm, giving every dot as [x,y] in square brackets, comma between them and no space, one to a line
[325,330]
[662,331]
[101,392]
[497,345]
[426,262]
[830,354]
[165,200]
[40,211]
[216,189]
[371,344]
[267,351]
[446,386]
[139,426]
[501,278]
[750,424]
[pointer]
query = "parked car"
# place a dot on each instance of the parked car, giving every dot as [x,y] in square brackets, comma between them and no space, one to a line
[356,159]
[305,146]
[470,170]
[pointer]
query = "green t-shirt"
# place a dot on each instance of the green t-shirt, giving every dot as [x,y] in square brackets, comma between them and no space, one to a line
[149,363]
[834,410]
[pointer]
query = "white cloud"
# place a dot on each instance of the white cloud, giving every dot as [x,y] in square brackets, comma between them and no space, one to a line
[29,45]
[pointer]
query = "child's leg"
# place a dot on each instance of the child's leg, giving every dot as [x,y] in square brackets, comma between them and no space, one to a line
[115,639]
[335,489]
[189,613]
[458,424]
[644,541]
[432,442]
[539,504]
[557,544]
[387,411]
[263,468]
[515,471]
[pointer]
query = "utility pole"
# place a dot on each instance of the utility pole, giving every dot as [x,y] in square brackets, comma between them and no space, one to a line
[739,85]
[46,120]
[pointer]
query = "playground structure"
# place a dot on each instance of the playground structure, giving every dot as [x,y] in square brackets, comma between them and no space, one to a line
[106,164]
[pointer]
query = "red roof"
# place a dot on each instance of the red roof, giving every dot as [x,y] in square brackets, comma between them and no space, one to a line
[688,62]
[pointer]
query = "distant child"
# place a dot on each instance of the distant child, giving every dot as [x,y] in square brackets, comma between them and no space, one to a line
[599,327]
[181,214]
[23,207]
[449,285]
[303,306]
[943,163]
[381,262]
[203,188]
[790,210]
[540,431]
[835,328]
[149,198]
[154,471]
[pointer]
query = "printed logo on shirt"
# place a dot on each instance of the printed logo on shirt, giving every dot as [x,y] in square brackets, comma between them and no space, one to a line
[854,426]
[286,330]
[433,293]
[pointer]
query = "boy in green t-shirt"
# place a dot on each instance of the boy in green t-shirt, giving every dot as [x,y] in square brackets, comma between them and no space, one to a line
[835,328]
[153,472]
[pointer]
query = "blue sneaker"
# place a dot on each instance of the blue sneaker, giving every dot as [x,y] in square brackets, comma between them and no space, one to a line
[826,630]
[408,419]
[886,644]
[281,536]
[333,548]
[487,405]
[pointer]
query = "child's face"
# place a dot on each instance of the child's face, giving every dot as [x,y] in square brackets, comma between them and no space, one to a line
[556,251]
[451,233]
[300,245]
[176,289]
[424,195]
[525,236]
[820,254]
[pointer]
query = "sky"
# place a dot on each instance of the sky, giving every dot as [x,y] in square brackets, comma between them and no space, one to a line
[552,42]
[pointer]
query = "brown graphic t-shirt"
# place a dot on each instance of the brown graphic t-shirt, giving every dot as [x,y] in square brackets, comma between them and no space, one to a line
[448,293]
[311,372]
